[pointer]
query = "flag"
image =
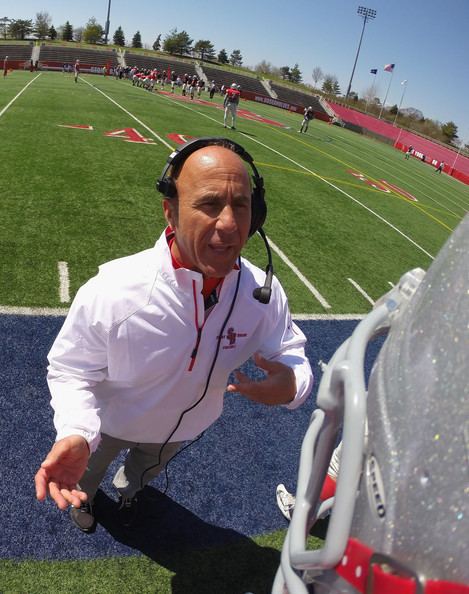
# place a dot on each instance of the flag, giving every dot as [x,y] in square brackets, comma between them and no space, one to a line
[389,67]
[374,71]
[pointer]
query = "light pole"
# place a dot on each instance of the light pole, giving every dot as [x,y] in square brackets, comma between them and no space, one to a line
[106,28]
[404,84]
[367,14]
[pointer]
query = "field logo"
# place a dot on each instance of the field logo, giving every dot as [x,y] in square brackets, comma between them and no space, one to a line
[129,135]
[180,138]
[383,186]
[126,134]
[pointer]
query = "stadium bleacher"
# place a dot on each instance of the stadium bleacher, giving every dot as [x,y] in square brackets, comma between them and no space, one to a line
[16,52]
[143,61]
[55,56]
[223,77]
[297,97]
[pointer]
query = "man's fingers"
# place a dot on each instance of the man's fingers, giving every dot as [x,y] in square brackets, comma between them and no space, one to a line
[40,481]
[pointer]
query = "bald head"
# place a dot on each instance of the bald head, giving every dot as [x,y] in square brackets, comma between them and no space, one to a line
[211,216]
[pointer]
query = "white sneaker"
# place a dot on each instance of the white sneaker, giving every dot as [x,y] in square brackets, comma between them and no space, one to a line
[285,501]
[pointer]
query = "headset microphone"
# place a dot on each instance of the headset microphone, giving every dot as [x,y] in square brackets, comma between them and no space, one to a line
[262,294]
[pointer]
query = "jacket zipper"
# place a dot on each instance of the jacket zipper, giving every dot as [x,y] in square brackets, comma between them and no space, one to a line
[199,329]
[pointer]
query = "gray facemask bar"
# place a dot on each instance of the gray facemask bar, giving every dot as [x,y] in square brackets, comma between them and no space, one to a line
[341,403]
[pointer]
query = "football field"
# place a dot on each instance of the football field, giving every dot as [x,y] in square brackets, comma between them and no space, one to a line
[347,216]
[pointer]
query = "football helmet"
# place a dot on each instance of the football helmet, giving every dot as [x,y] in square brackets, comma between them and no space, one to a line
[399,521]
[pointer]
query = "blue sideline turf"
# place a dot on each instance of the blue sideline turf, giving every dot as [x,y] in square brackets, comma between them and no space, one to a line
[221,489]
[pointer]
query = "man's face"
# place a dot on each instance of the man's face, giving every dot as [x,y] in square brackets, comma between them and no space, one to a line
[212,217]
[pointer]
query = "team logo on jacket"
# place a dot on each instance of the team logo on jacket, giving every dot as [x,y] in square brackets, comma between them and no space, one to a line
[231,336]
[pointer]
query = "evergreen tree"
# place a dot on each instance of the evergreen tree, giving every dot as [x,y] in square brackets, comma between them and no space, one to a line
[52,33]
[295,74]
[137,40]
[222,57]
[236,59]
[204,49]
[177,43]
[285,72]
[157,44]
[450,131]
[119,38]
[67,32]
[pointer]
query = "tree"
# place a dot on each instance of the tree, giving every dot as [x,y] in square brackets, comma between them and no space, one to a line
[336,87]
[205,50]
[137,40]
[119,38]
[236,59]
[450,131]
[78,34]
[67,32]
[177,43]
[4,21]
[52,33]
[222,57]
[93,31]
[285,72]
[20,28]
[157,45]
[328,86]
[264,67]
[393,110]
[295,74]
[317,75]
[42,24]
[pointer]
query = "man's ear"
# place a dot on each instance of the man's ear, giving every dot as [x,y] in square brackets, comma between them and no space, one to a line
[169,209]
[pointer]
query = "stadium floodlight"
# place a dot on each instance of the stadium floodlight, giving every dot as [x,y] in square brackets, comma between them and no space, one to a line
[367,14]
[106,29]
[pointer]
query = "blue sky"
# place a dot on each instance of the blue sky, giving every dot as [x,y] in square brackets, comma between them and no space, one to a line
[428,40]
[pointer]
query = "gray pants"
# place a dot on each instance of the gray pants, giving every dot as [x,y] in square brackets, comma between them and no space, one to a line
[141,465]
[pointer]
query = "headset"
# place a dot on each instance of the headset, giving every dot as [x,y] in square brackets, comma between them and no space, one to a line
[166,185]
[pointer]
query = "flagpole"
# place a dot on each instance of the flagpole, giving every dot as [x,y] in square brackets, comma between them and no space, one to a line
[404,83]
[384,102]
[372,91]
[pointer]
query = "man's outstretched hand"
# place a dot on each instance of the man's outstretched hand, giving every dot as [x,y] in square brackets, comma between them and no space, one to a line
[61,470]
[279,387]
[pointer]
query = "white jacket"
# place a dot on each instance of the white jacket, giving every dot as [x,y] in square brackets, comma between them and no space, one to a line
[124,362]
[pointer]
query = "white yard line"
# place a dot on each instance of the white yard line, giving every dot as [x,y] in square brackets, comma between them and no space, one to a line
[301,276]
[147,128]
[22,91]
[64,282]
[361,291]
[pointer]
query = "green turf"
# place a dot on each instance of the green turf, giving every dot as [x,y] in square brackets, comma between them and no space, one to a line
[83,197]
[248,566]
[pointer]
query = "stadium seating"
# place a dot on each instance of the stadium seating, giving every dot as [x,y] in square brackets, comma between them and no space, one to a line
[223,77]
[16,52]
[297,97]
[144,61]
[59,55]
